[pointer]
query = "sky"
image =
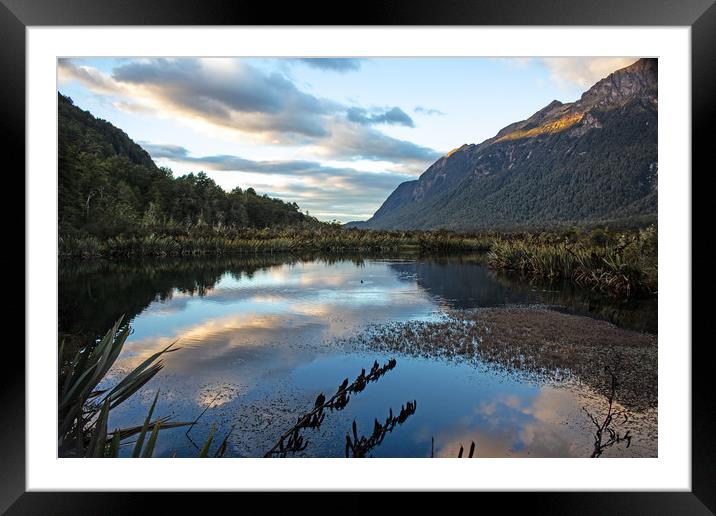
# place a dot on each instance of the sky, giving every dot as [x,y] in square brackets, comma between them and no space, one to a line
[334,135]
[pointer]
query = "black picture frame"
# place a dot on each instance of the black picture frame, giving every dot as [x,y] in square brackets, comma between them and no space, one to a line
[700,15]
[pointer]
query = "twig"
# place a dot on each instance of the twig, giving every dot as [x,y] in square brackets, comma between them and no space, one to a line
[605,426]
[203,412]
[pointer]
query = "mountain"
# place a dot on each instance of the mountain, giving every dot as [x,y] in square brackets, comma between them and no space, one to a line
[589,161]
[108,185]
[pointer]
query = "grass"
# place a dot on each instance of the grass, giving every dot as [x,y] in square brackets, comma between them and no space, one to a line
[84,409]
[624,266]
[535,341]
[619,263]
[250,241]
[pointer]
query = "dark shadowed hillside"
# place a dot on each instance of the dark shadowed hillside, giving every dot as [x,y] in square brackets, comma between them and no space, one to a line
[589,161]
[108,186]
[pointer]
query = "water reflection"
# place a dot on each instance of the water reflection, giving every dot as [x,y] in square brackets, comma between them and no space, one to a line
[533,424]
[462,282]
[255,337]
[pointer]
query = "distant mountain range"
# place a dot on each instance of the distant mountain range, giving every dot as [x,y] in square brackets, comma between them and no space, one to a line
[589,161]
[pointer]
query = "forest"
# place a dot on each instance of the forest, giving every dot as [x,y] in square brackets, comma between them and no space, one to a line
[109,186]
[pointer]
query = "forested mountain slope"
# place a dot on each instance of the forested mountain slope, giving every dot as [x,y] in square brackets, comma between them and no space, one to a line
[108,185]
[589,161]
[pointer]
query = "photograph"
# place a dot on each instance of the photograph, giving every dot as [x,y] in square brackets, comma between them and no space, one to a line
[357,257]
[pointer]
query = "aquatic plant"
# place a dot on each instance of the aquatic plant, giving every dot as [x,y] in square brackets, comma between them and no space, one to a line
[291,441]
[83,409]
[529,340]
[622,264]
[360,446]
[472,451]
[459,453]
[225,241]
[627,266]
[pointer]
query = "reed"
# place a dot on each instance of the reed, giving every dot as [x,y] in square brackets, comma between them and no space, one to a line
[222,241]
[625,267]
[359,446]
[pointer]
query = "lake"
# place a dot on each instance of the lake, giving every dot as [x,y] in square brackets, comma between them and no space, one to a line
[262,337]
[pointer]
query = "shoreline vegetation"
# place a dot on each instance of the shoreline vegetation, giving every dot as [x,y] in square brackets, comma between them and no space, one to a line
[620,263]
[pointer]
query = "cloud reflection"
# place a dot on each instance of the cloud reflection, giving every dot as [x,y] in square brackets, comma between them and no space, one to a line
[527,425]
[304,304]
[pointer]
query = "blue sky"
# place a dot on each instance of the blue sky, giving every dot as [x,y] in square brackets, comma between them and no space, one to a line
[335,135]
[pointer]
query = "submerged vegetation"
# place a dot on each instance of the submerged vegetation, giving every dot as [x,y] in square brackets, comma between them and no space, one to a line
[548,344]
[115,204]
[557,346]
[607,433]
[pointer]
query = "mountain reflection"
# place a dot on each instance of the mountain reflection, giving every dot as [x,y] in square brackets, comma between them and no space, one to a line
[462,282]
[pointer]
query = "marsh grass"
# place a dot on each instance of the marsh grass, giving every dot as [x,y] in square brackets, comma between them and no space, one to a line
[220,241]
[624,267]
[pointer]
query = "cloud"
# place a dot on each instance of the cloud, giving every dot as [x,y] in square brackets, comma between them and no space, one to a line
[265,107]
[237,96]
[583,71]
[325,191]
[295,168]
[298,168]
[94,80]
[132,107]
[357,141]
[428,111]
[165,150]
[340,204]
[392,116]
[514,62]
[333,64]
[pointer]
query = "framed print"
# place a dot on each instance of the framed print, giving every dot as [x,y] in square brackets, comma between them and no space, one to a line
[415,236]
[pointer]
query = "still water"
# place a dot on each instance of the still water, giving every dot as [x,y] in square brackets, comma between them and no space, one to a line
[261,338]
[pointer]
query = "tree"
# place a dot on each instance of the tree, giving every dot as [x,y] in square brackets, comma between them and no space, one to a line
[108,185]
